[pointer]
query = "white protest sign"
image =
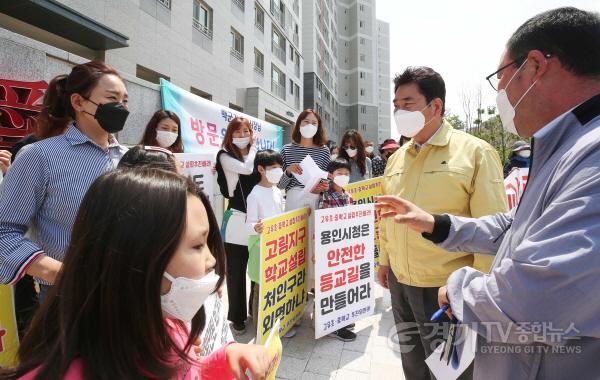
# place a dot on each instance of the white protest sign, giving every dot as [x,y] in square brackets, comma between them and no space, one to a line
[216,333]
[199,166]
[344,266]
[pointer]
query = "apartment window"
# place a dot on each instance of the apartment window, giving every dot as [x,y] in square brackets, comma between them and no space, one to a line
[259,62]
[362,57]
[277,82]
[200,93]
[165,3]
[237,45]
[362,41]
[363,109]
[291,53]
[362,8]
[291,87]
[241,4]
[363,127]
[149,75]
[259,17]
[202,19]
[361,23]
[278,45]
[362,75]
[362,92]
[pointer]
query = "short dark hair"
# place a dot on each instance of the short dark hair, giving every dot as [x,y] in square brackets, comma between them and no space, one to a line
[338,163]
[569,34]
[266,158]
[148,156]
[431,84]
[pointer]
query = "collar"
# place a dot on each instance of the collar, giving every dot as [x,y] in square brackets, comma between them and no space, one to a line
[441,137]
[75,137]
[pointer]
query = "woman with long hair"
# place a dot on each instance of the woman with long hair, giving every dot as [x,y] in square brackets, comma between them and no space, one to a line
[164,130]
[144,255]
[235,164]
[353,150]
[48,179]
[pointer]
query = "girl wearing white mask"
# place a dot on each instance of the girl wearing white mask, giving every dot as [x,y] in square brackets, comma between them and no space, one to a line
[235,164]
[353,150]
[128,302]
[163,130]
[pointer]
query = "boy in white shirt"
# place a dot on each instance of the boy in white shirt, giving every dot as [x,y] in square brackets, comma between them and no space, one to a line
[265,201]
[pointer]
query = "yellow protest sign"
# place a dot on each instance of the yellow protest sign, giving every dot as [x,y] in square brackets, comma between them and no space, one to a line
[274,349]
[364,192]
[9,338]
[283,251]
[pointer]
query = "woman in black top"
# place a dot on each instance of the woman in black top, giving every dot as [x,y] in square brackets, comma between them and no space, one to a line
[235,164]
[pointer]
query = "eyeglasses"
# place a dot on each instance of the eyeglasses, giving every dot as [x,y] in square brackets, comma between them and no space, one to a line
[493,78]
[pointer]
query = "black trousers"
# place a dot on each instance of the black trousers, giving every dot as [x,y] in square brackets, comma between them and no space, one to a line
[237,262]
[418,337]
[26,303]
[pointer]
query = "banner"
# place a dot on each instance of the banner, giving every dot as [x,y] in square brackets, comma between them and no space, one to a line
[283,295]
[344,267]
[9,337]
[199,167]
[515,186]
[216,333]
[203,123]
[364,192]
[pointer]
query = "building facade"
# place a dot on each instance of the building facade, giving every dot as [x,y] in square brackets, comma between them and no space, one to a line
[242,54]
[345,69]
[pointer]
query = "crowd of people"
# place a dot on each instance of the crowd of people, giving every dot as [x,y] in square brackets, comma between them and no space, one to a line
[94,235]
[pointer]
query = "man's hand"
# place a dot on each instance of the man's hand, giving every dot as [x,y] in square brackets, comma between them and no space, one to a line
[5,157]
[443,300]
[382,276]
[405,212]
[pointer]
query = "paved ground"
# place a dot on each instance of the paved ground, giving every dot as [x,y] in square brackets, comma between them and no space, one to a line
[371,356]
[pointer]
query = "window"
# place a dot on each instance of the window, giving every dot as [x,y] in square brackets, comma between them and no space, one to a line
[259,62]
[277,82]
[149,75]
[202,18]
[362,41]
[291,87]
[236,107]
[237,45]
[361,23]
[291,53]
[362,92]
[259,17]
[241,4]
[363,109]
[362,75]
[362,8]
[362,57]
[165,3]
[278,45]
[363,127]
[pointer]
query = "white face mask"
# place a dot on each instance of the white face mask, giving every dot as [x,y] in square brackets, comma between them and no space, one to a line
[241,142]
[309,131]
[505,109]
[351,152]
[187,296]
[274,175]
[165,138]
[369,149]
[341,180]
[409,123]
[524,153]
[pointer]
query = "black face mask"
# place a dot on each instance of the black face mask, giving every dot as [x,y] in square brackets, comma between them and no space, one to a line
[110,116]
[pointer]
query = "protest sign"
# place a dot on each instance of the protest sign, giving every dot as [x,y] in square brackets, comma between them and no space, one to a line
[283,247]
[344,266]
[274,350]
[216,333]
[9,337]
[198,167]
[364,192]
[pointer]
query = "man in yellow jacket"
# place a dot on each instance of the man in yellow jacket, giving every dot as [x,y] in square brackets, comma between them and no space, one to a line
[442,170]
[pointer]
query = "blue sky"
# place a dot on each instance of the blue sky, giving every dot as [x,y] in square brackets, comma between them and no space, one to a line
[460,39]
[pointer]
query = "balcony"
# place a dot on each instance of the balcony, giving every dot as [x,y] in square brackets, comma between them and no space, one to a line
[236,54]
[259,71]
[278,14]
[202,29]
[165,3]
[278,90]
[278,51]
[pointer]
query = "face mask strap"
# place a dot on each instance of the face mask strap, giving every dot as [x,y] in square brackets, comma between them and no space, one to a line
[169,277]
